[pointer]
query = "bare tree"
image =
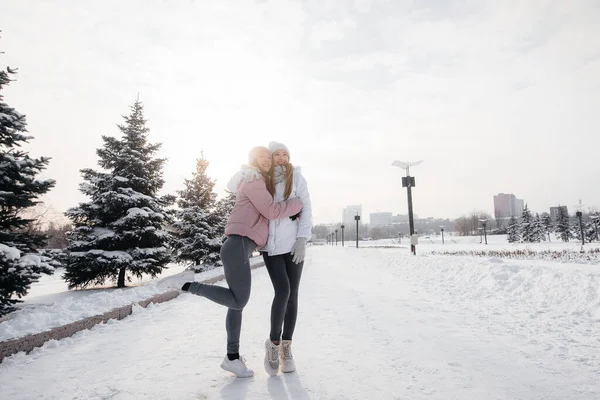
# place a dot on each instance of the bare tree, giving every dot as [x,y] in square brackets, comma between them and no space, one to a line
[36,216]
[57,235]
[469,225]
[376,233]
[41,216]
[462,226]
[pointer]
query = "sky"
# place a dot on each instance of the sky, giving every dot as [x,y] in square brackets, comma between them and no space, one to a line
[492,96]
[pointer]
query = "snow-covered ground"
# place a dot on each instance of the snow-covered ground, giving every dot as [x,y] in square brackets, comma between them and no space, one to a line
[50,304]
[373,323]
[460,243]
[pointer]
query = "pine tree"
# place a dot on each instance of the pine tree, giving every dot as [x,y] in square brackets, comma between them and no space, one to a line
[223,210]
[528,232]
[576,229]
[514,231]
[547,224]
[20,262]
[122,227]
[590,231]
[562,227]
[539,230]
[197,226]
[595,222]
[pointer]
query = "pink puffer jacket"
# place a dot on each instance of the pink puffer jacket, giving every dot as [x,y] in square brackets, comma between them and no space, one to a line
[254,207]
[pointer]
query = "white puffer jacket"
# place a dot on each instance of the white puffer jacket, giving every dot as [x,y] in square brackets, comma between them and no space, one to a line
[283,232]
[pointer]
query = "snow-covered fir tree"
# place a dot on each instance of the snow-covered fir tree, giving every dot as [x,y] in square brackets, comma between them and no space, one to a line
[528,229]
[547,224]
[589,231]
[576,229]
[514,230]
[595,223]
[196,230]
[562,226]
[20,262]
[223,209]
[539,229]
[122,228]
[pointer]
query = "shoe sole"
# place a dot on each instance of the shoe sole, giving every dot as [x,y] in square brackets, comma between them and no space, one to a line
[287,371]
[239,376]
[270,371]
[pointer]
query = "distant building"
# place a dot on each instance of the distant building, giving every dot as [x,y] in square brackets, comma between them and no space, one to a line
[380,219]
[507,206]
[401,219]
[350,212]
[519,207]
[554,211]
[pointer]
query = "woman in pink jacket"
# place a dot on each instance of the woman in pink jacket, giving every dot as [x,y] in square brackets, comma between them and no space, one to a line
[247,228]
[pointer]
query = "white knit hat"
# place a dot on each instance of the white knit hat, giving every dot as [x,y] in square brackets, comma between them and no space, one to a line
[274,146]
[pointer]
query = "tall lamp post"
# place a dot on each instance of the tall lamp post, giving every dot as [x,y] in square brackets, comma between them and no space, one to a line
[342,234]
[336,237]
[357,218]
[442,230]
[484,223]
[579,215]
[408,182]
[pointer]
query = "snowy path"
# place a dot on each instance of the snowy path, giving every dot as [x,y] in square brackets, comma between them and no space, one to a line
[374,323]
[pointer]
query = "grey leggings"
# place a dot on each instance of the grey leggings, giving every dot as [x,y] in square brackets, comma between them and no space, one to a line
[235,254]
[285,276]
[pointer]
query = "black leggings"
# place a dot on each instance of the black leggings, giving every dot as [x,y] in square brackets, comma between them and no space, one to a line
[235,254]
[285,276]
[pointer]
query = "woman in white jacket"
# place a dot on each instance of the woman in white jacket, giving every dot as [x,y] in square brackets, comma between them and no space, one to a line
[284,258]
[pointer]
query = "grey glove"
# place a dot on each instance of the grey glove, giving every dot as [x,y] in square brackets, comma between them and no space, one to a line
[298,250]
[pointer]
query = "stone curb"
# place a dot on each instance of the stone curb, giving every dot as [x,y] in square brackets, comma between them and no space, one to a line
[30,342]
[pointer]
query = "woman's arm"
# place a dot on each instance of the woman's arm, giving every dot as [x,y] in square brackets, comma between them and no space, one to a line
[261,199]
[305,221]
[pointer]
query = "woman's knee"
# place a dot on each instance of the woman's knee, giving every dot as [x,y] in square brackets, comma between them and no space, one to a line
[240,304]
[293,297]
[283,292]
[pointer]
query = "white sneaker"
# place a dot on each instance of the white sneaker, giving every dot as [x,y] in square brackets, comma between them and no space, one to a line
[287,359]
[176,281]
[238,367]
[271,357]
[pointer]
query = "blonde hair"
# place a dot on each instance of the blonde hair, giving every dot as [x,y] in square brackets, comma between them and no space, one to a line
[252,161]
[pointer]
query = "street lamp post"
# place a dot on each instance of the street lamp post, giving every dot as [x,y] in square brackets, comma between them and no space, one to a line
[408,182]
[336,237]
[484,223]
[357,218]
[579,215]
[342,234]
[442,229]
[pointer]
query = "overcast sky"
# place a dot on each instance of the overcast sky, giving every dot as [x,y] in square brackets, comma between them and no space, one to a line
[494,96]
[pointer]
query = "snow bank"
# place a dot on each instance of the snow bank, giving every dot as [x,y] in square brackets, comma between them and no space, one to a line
[536,300]
[58,306]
